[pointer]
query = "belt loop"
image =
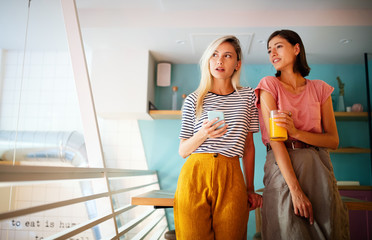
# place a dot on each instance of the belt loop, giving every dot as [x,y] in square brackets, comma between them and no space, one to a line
[293,146]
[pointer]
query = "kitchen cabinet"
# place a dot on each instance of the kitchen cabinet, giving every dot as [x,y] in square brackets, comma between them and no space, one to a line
[123,82]
[360,221]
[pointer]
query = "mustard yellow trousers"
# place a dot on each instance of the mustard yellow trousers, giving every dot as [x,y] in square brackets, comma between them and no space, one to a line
[211,200]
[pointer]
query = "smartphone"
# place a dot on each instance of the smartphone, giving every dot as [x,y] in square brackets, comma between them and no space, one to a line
[216,114]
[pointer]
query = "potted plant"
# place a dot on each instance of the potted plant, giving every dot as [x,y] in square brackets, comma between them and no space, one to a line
[341,104]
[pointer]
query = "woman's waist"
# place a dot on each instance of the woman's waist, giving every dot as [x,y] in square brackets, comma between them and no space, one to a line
[293,144]
[214,154]
[229,147]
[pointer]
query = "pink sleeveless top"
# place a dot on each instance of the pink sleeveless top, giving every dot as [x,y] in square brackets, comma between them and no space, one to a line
[305,106]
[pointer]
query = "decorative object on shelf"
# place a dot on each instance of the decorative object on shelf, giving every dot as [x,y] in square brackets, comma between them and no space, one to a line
[164,75]
[174,97]
[340,104]
[357,107]
[348,109]
[348,183]
[183,100]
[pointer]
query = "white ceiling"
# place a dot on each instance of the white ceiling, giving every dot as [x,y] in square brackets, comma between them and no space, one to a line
[178,31]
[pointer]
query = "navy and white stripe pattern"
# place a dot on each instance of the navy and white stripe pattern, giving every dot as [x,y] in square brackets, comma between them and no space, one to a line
[241,116]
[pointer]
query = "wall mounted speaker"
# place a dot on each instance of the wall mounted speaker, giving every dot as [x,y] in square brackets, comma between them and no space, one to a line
[164,75]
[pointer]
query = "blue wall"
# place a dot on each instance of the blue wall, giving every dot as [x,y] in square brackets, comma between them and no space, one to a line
[160,137]
[186,77]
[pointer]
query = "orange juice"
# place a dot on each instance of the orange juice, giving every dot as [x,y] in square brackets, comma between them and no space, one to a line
[277,133]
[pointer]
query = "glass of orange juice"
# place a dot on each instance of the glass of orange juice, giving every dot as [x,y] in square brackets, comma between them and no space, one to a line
[276,133]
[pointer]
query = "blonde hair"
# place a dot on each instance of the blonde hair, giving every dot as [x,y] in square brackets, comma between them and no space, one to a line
[206,76]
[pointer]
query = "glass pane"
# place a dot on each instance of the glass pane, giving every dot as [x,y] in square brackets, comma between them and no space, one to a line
[134,185]
[122,144]
[49,222]
[40,119]
[104,230]
[119,78]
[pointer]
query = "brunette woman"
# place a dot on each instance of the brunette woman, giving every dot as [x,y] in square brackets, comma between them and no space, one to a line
[301,198]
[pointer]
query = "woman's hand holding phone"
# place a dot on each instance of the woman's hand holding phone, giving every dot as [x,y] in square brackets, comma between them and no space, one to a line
[212,115]
[215,126]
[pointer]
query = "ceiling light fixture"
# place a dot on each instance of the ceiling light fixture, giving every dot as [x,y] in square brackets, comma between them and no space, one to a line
[344,41]
[180,42]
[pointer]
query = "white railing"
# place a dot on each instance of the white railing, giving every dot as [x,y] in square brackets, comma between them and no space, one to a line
[26,175]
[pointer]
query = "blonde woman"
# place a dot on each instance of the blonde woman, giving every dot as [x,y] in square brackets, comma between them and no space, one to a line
[212,200]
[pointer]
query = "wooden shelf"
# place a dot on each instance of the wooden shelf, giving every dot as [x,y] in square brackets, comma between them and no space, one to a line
[358,188]
[165,114]
[351,150]
[351,116]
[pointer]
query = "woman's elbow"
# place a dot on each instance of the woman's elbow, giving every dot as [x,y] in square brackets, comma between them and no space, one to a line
[182,153]
[334,144]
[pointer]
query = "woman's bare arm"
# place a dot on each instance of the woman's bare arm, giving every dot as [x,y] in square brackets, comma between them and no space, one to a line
[328,138]
[302,205]
[208,130]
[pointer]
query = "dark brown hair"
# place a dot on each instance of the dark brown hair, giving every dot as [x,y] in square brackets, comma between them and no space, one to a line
[293,38]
